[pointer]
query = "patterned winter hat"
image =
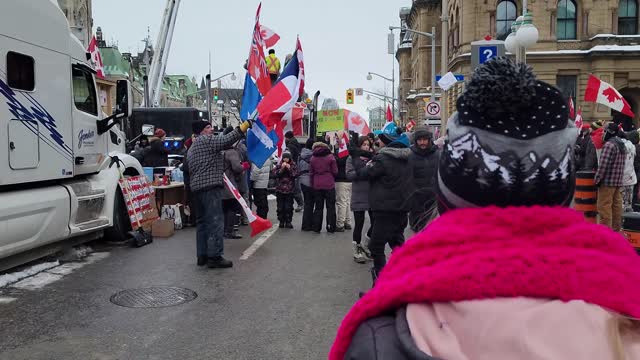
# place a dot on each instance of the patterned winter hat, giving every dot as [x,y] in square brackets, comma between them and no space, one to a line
[509,144]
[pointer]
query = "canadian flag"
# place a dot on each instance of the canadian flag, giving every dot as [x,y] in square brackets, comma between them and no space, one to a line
[389,114]
[343,151]
[602,93]
[411,125]
[579,119]
[269,36]
[572,108]
[96,59]
[293,119]
[257,223]
[355,122]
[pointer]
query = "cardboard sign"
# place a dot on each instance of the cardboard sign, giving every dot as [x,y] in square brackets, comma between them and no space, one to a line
[330,120]
[142,197]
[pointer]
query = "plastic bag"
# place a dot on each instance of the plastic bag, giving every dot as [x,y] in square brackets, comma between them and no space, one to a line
[172,212]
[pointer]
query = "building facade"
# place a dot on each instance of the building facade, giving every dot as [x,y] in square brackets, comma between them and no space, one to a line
[377,118]
[576,38]
[79,15]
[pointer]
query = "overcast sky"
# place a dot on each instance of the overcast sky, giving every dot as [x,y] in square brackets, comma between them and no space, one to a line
[342,39]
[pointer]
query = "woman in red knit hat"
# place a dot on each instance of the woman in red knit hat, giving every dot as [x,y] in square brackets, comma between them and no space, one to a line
[508,271]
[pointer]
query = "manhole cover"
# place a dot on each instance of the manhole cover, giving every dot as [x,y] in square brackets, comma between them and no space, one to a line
[153,297]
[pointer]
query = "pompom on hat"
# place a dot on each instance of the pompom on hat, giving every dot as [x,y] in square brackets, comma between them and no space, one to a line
[510,143]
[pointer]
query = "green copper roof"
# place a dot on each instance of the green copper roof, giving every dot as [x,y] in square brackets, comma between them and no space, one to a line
[113,63]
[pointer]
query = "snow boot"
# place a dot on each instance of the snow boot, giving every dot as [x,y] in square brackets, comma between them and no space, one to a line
[358,255]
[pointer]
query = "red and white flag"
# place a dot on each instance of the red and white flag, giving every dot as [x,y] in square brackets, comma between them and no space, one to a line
[389,114]
[579,119]
[96,59]
[285,93]
[269,36]
[355,122]
[343,151]
[572,108]
[293,119]
[602,93]
[257,223]
[411,125]
[257,65]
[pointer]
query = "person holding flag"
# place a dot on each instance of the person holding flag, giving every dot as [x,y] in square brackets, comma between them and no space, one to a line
[206,169]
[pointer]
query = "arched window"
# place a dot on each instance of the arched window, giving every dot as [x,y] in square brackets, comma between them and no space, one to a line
[628,17]
[566,29]
[505,16]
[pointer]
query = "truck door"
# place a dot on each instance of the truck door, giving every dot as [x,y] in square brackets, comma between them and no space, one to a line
[89,147]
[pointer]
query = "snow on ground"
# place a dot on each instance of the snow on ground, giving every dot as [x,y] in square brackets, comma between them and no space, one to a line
[17,276]
[40,275]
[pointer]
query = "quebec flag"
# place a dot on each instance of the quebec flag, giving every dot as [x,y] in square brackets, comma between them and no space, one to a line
[250,98]
[260,143]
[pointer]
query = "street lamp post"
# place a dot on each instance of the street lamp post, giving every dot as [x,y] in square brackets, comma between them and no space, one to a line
[393,88]
[432,35]
[523,35]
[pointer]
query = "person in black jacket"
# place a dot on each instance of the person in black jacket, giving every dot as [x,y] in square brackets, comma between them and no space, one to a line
[586,158]
[156,155]
[343,195]
[295,148]
[424,161]
[198,127]
[391,186]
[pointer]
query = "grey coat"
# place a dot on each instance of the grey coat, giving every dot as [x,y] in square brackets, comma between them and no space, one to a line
[385,337]
[304,167]
[235,172]
[356,169]
[260,176]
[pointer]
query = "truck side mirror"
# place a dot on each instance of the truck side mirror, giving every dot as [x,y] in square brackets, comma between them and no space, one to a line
[148,130]
[124,98]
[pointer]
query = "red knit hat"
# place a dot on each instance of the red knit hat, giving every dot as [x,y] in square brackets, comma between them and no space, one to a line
[488,253]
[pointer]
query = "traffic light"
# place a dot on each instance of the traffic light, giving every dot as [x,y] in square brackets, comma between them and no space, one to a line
[215,94]
[350,96]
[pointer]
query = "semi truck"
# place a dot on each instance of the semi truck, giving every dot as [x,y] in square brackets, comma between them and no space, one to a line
[61,158]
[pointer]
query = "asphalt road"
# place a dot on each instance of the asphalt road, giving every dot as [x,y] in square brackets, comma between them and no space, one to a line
[285,302]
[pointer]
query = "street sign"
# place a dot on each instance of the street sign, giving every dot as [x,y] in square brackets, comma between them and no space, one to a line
[391,44]
[485,50]
[459,77]
[433,122]
[487,53]
[432,110]
[359,92]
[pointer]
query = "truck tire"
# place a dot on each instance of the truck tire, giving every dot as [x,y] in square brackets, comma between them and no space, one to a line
[119,232]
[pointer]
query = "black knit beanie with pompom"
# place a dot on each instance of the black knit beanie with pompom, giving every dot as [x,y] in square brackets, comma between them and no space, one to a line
[510,143]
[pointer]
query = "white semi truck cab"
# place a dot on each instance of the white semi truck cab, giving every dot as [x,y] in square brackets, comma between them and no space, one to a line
[56,182]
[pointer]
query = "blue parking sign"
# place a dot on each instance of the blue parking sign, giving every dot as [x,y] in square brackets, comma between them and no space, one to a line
[487,53]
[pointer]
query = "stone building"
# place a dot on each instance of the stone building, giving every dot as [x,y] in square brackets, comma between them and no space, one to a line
[377,118]
[576,38]
[79,15]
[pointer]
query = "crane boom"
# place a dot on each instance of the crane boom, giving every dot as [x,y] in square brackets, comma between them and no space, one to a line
[161,55]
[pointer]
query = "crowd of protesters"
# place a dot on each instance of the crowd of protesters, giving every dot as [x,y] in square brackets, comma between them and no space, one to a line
[612,153]
[390,177]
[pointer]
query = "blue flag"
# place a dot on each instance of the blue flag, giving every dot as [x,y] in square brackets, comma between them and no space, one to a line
[260,144]
[250,98]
